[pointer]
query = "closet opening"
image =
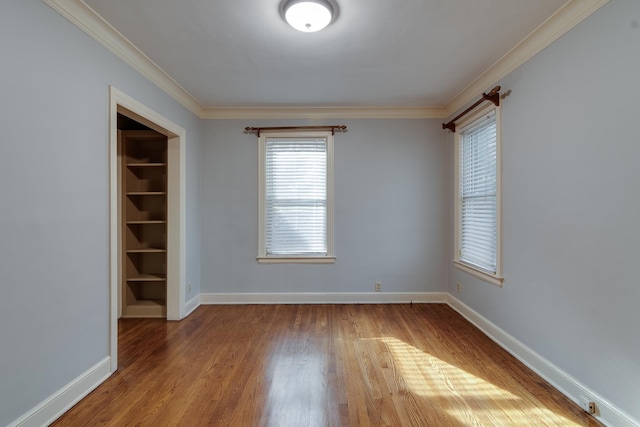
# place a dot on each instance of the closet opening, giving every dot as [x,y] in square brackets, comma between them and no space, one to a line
[142,175]
[147,215]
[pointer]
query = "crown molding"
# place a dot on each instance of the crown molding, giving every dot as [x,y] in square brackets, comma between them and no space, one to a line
[85,18]
[326,113]
[567,17]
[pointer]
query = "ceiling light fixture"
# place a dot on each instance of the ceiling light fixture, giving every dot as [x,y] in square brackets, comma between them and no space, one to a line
[308,15]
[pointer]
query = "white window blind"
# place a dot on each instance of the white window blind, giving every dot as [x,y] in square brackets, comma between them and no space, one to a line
[478,194]
[296,196]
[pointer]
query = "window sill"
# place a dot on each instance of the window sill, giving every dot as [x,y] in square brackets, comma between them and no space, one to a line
[482,275]
[296,260]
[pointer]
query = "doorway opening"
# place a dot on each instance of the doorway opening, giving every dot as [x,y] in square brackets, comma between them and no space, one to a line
[129,115]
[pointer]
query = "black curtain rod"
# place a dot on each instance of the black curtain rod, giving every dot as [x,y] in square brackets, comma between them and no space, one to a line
[493,96]
[333,129]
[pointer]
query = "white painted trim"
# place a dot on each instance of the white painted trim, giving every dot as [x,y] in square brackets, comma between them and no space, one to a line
[396,112]
[176,207]
[563,382]
[331,251]
[85,18]
[324,298]
[192,305]
[176,232]
[262,257]
[115,231]
[296,260]
[476,272]
[62,400]
[496,278]
[567,17]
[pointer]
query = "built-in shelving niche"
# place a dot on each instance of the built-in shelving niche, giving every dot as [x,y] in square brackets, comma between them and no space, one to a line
[144,223]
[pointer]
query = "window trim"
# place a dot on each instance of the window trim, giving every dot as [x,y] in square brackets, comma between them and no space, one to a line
[262,257]
[487,276]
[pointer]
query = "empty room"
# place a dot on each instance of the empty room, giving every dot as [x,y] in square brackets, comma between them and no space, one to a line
[319,213]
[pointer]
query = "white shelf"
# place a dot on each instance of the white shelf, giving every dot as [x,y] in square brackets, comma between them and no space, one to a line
[146,251]
[147,278]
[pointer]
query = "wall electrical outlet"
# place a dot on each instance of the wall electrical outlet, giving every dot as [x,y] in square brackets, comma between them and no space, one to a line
[587,405]
[188,288]
[378,287]
[458,287]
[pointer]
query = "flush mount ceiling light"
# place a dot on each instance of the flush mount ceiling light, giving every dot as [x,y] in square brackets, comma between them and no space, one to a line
[308,15]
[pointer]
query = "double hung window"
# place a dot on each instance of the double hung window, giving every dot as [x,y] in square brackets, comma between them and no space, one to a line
[478,196]
[296,197]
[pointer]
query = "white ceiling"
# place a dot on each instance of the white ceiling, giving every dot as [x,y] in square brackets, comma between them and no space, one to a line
[378,53]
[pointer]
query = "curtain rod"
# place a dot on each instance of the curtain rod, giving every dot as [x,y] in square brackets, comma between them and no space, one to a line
[493,96]
[333,129]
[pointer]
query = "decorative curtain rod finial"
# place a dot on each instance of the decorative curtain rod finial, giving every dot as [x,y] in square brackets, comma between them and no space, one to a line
[493,96]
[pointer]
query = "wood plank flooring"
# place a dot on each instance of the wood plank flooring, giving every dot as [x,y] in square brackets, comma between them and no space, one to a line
[319,365]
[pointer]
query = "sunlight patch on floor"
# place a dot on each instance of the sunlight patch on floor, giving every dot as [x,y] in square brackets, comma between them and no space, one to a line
[296,395]
[468,398]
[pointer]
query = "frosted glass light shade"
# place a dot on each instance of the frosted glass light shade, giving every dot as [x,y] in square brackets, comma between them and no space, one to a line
[308,16]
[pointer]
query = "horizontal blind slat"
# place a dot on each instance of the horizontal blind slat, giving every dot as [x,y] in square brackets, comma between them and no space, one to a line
[478,189]
[296,212]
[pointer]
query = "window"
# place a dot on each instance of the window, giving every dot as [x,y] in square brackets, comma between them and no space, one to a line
[296,197]
[477,237]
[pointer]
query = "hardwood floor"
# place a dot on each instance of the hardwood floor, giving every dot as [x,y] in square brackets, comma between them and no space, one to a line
[319,365]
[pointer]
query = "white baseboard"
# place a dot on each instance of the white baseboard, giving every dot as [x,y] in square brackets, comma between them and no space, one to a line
[325,298]
[607,414]
[191,305]
[62,400]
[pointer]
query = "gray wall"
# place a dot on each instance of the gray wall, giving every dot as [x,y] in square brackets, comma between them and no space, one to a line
[54,193]
[391,193]
[571,207]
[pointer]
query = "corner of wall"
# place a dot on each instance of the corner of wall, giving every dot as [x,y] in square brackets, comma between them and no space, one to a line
[607,413]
